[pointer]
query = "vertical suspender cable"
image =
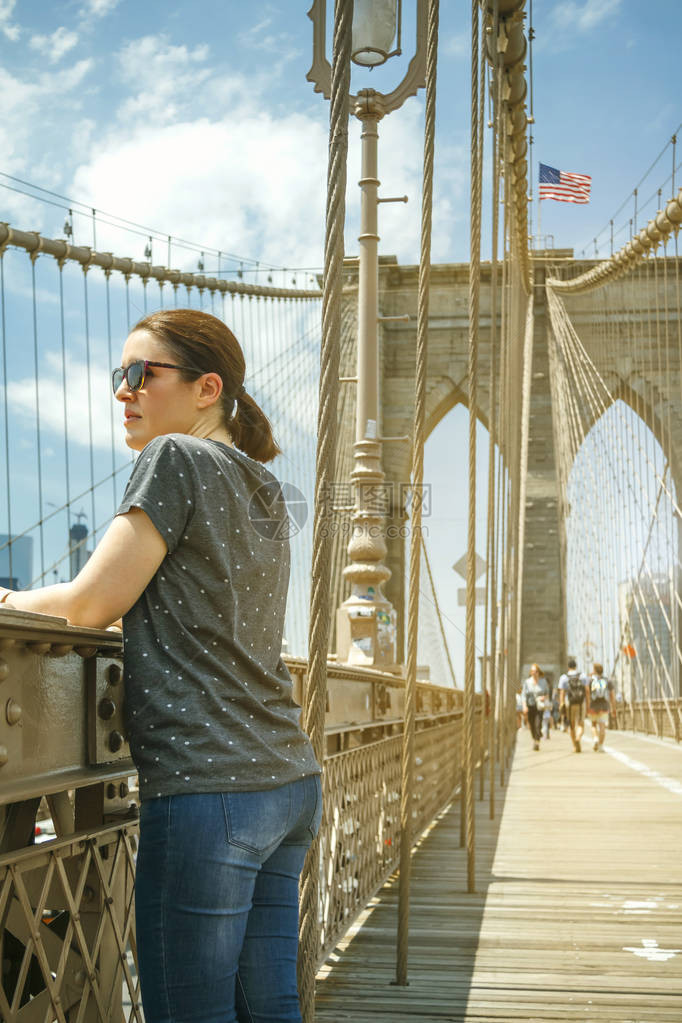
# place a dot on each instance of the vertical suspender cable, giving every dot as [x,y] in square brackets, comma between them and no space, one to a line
[314,696]
[93,526]
[407,773]
[67,469]
[474,289]
[8,487]
[107,277]
[436,603]
[37,392]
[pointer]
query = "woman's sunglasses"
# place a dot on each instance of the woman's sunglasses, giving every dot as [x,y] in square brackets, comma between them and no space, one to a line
[135,373]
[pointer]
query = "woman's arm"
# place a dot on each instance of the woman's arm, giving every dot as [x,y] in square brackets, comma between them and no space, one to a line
[110,582]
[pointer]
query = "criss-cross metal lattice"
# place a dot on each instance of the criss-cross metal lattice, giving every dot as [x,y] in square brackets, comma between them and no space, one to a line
[68,930]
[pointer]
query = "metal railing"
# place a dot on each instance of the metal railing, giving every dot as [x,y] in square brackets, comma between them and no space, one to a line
[662,718]
[67,932]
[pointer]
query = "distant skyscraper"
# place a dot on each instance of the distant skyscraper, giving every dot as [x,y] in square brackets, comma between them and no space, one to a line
[21,574]
[78,555]
[648,637]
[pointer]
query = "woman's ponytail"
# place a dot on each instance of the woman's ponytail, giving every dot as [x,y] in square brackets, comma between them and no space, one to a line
[251,431]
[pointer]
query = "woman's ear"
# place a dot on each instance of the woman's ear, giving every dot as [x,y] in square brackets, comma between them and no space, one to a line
[210,389]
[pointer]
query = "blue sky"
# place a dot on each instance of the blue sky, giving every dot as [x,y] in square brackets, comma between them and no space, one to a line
[195,119]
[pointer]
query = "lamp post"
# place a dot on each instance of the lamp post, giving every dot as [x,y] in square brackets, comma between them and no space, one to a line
[366,621]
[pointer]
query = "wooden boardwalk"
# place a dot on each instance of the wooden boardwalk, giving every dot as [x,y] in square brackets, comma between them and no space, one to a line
[578,910]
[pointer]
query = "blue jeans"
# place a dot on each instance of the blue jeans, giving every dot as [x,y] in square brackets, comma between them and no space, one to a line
[216,901]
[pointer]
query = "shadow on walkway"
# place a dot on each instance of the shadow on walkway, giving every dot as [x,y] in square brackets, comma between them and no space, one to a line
[357,982]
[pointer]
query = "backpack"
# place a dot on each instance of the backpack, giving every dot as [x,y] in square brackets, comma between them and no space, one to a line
[575,690]
[599,689]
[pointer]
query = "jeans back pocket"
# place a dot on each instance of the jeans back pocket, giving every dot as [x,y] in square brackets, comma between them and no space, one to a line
[257,821]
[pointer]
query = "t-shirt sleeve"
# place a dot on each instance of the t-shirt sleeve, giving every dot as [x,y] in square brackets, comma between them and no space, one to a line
[161,486]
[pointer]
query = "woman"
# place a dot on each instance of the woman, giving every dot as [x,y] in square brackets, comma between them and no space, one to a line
[535,694]
[195,563]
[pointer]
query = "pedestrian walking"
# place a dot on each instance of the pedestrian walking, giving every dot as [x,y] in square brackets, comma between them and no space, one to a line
[196,561]
[572,696]
[601,699]
[535,694]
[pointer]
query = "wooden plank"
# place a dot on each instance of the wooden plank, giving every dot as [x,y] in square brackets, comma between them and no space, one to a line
[578,912]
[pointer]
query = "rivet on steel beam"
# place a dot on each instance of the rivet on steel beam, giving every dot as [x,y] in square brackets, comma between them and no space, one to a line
[114,674]
[86,651]
[4,670]
[13,712]
[106,708]
[4,755]
[111,790]
[115,742]
[123,790]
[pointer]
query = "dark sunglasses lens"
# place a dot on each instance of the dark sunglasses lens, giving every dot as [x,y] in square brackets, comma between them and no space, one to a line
[135,375]
[117,378]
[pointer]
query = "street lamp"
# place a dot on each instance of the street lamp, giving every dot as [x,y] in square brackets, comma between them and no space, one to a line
[366,621]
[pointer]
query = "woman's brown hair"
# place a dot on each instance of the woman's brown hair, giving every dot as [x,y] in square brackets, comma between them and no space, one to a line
[598,669]
[203,341]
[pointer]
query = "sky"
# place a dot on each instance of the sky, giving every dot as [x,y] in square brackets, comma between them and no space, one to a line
[195,120]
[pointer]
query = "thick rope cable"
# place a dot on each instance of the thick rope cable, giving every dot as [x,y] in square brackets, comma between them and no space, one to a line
[490,658]
[481,115]
[314,702]
[35,243]
[472,382]
[657,230]
[418,437]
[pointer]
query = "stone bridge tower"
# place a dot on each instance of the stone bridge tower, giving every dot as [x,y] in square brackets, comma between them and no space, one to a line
[543,636]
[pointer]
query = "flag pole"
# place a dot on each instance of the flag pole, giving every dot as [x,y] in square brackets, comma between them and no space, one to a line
[539,220]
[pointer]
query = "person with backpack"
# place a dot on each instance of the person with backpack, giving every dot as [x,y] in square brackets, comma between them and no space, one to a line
[573,694]
[535,695]
[601,698]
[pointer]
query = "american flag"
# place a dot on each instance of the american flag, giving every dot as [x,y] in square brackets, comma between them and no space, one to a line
[564,185]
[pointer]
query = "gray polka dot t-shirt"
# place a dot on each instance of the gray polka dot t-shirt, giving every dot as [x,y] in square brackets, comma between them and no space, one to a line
[209,704]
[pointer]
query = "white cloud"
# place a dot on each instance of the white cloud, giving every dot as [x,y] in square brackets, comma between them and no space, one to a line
[46,100]
[200,154]
[165,78]
[55,46]
[247,184]
[21,398]
[583,17]
[11,31]
[98,8]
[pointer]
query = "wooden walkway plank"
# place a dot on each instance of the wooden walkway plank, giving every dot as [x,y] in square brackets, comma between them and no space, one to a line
[578,913]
